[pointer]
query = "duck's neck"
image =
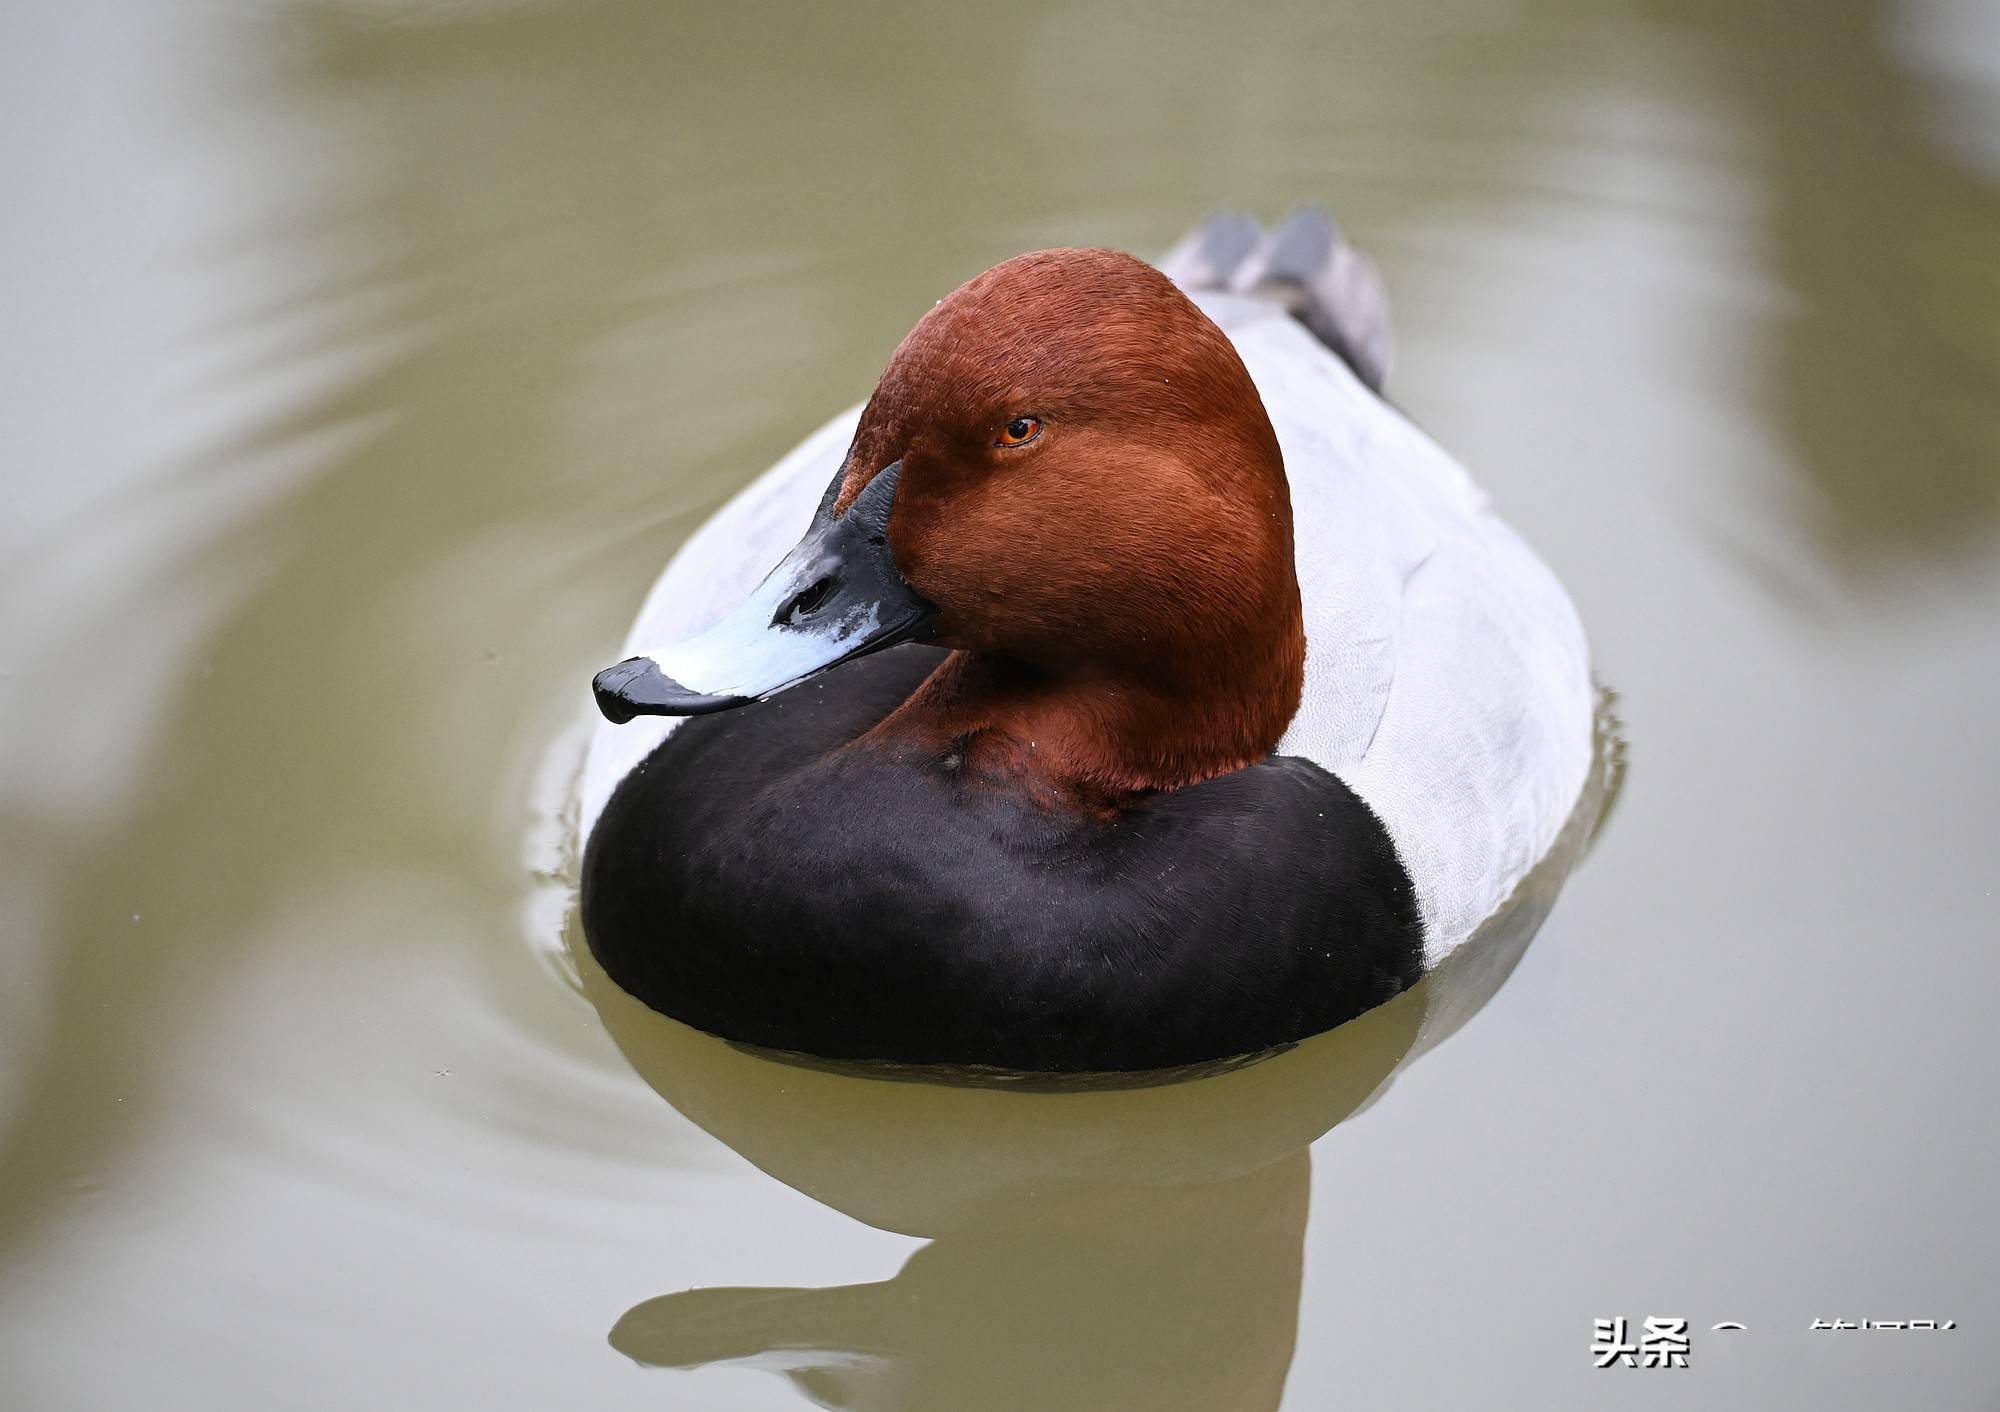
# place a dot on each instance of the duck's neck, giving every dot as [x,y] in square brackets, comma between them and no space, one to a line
[1091,738]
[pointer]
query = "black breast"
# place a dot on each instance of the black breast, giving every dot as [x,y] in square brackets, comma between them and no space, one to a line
[753,881]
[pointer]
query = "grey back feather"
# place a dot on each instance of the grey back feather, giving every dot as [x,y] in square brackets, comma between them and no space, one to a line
[1304,264]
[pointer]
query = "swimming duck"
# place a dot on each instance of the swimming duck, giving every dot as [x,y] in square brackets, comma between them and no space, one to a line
[1145,690]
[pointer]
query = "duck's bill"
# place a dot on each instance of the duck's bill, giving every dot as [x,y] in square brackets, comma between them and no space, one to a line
[837,596]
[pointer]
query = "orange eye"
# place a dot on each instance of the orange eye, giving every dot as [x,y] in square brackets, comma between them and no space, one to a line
[1019,432]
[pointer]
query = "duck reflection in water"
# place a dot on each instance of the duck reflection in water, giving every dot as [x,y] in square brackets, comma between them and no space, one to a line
[1142,1297]
[1106,1249]
[1139,1247]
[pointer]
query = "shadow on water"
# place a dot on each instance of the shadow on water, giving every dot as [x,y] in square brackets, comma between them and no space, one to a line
[1089,1250]
[1140,1297]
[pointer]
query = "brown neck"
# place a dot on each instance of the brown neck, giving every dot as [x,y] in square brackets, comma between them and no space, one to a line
[1091,737]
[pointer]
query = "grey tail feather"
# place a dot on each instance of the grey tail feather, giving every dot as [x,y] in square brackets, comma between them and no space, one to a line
[1326,284]
[1207,256]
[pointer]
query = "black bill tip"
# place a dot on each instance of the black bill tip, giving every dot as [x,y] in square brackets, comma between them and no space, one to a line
[637,687]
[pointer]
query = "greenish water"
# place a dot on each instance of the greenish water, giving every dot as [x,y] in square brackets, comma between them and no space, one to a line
[363,362]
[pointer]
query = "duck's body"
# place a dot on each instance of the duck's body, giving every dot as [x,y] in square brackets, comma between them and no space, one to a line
[802,875]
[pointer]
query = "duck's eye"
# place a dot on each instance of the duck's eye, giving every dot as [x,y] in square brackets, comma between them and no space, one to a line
[1019,432]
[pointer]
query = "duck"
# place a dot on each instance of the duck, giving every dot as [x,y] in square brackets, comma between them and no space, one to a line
[1126,686]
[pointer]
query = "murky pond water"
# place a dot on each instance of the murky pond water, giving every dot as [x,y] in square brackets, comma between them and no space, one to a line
[365,360]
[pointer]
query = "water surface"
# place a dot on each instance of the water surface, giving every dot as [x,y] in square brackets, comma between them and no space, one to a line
[364,361]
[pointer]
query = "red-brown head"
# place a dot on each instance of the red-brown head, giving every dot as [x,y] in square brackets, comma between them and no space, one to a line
[1090,490]
[1083,486]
